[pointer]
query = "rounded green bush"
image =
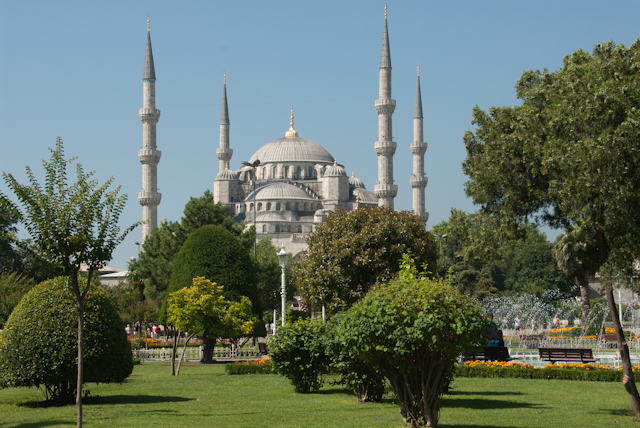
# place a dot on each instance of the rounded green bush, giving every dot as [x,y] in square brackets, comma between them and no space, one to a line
[297,352]
[39,344]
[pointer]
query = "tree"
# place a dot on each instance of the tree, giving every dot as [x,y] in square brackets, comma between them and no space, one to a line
[569,154]
[218,255]
[353,250]
[202,308]
[412,330]
[38,346]
[71,225]
[163,244]
[13,286]
[578,257]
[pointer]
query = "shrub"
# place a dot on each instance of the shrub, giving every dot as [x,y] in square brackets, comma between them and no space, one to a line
[297,352]
[38,346]
[412,330]
[366,382]
[248,368]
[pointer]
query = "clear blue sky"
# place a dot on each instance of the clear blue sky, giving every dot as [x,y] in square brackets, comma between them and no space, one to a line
[74,69]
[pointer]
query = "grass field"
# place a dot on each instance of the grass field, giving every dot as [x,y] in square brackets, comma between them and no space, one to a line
[204,396]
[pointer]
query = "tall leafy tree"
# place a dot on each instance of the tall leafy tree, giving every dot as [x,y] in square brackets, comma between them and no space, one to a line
[154,267]
[213,252]
[353,250]
[570,153]
[71,224]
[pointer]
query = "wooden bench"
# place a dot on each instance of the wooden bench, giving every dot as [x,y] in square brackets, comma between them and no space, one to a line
[582,355]
[491,353]
[609,340]
[262,347]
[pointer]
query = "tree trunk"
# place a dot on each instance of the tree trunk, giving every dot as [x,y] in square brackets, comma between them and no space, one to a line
[173,351]
[628,379]
[184,350]
[585,305]
[80,362]
[208,345]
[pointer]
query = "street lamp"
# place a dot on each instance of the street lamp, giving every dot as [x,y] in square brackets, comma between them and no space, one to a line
[283,258]
[253,165]
[138,244]
[440,240]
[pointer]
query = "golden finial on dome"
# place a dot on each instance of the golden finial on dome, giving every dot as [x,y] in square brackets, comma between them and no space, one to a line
[335,162]
[353,174]
[226,167]
[291,132]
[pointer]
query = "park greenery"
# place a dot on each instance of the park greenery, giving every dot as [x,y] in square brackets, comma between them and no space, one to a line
[203,310]
[404,303]
[72,225]
[214,253]
[568,156]
[354,250]
[38,346]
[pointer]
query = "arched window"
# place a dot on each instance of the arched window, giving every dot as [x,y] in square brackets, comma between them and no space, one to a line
[264,228]
[268,206]
[297,172]
[259,206]
[278,206]
[285,171]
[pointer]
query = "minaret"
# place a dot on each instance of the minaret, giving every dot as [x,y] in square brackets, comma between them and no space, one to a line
[418,149]
[149,157]
[224,152]
[385,147]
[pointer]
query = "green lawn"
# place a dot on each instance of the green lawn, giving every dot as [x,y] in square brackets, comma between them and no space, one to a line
[206,396]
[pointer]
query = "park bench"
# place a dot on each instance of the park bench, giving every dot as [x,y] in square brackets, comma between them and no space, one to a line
[582,355]
[530,341]
[262,347]
[608,340]
[490,353]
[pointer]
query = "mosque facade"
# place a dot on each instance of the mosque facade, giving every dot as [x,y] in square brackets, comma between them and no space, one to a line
[290,185]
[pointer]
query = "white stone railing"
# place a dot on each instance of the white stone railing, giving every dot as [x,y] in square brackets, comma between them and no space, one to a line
[195,353]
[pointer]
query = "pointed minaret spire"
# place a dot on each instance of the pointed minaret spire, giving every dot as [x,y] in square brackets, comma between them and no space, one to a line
[418,148]
[385,147]
[149,69]
[149,156]
[224,153]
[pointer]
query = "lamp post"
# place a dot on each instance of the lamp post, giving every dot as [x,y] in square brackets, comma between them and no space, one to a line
[283,258]
[253,165]
[138,244]
[440,241]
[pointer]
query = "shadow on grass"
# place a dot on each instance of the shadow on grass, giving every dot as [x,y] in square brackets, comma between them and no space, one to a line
[112,399]
[485,393]
[43,424]
[487,404]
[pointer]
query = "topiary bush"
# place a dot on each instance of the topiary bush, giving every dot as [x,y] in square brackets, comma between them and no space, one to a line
[39,344]
[297,352]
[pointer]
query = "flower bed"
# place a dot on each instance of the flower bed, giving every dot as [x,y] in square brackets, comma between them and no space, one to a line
[589,372]
[249,367]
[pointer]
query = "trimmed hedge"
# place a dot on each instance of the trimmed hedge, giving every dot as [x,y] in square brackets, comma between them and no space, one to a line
[542,373]
[240,369]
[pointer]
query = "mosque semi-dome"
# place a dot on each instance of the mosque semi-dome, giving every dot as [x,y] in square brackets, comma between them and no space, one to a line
[277,190]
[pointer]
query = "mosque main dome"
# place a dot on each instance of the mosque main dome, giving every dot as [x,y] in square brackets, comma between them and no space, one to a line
[292,149]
